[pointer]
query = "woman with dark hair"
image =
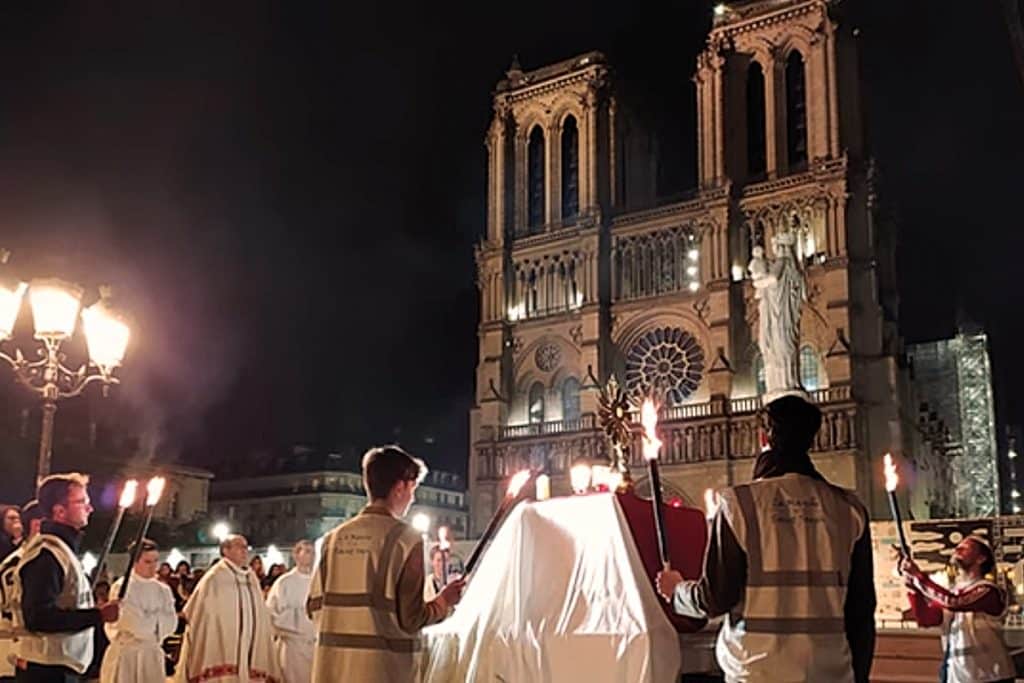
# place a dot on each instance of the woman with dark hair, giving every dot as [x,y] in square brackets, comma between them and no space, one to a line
[971,615]
[11,534]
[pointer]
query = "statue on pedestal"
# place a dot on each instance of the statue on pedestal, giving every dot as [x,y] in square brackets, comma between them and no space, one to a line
[781,289]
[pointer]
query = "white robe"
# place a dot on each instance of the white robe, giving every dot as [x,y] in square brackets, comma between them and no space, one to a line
[229,638]
[294,630]
[147,617]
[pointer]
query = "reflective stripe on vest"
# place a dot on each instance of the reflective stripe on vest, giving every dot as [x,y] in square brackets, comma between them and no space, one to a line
[362,561]
[801,600]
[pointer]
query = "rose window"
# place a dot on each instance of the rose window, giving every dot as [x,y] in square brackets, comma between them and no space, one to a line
[667,362]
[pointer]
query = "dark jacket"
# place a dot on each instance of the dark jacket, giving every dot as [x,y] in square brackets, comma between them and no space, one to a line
[42,581]
[7,545]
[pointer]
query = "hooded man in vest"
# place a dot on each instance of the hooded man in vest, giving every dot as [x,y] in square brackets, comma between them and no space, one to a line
[789,564]
[971,615]
[55,606]
[229,638]
[366,598]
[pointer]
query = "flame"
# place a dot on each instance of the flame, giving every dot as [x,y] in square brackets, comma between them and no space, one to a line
[892,479]
[128,494]
[517,482]
[443,542]
[579,477]
[649,419]
[710,503]
[543,487]
[154,489]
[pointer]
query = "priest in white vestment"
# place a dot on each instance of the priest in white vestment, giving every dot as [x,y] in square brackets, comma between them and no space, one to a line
[147,617]
[295,635]
[229,638]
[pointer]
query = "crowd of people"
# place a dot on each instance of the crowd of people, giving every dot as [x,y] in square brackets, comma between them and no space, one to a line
[788,564]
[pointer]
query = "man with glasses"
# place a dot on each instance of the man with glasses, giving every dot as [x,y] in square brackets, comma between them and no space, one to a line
[53,598]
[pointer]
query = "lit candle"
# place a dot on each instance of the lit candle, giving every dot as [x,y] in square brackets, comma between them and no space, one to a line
[444,545]
[579,476]
[515,485]
[710,503]
[543,487]
[651,446]
[154,489]
[892,479]
[126,501]
[600,477]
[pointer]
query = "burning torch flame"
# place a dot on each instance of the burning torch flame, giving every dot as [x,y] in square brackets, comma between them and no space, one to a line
[443,542]
[128,494]
[517,482]
[154,489]
[892,479]
[649,419]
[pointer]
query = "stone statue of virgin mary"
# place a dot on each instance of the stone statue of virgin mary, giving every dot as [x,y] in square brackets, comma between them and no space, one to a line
[781,289]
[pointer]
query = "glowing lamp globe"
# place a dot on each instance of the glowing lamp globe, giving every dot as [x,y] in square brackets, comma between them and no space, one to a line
[421,522]
[220,531]
[55,305]
[106,333]
[11,294]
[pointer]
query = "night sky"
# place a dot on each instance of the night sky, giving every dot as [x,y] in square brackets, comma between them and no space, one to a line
[287,197]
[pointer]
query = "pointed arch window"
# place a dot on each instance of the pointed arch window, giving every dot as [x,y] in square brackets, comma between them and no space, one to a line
[535,179]
[570,169]
[571,399]
[536,403]
[810,369]
[756,154]
[796,111]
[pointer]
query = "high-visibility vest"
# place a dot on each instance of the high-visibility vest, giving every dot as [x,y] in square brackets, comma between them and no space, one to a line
[73,650]
[798,533]
[353,602]
[972,645]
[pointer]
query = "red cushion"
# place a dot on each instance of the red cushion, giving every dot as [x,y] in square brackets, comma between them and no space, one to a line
[687,540]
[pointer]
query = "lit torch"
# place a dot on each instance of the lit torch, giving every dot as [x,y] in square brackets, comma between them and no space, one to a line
[892,479]
[126,501]
[444,544]
[651,446]
[518,481]
[154,488]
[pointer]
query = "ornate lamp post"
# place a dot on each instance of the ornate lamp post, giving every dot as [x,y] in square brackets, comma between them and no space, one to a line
[55,308]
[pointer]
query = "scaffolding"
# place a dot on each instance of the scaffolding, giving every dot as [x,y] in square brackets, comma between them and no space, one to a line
[954,378]
[976,472]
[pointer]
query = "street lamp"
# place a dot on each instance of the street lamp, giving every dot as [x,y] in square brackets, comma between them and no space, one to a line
[220,531]
[55,305]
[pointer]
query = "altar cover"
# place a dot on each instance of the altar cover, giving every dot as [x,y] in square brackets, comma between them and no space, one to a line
[560,595]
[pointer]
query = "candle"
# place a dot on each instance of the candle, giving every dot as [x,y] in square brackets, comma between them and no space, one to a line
[518,481]
[126,501]
[892,479]
[651,446]
[579,476]
[600,477]
[710,503]
[444,545]
[154,488]
[543,487]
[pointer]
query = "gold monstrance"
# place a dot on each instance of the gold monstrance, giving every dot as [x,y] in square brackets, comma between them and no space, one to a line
[613,414]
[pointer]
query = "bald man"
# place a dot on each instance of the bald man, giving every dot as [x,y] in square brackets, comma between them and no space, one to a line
[229,636]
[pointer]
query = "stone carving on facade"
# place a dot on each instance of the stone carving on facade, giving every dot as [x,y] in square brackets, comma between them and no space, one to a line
[702,307]
[781,291]
[576,334]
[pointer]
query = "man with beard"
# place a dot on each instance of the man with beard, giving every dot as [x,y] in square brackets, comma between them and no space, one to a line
[971,615]
[789,564]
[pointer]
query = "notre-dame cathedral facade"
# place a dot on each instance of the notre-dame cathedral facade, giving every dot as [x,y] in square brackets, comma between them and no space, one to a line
[584,274]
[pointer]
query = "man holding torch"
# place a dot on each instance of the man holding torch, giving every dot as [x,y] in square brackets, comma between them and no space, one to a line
[366,597]
[971,615]
[54,602]
[789,564]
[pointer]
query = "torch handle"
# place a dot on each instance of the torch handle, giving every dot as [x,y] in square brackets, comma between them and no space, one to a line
[894,506]
[488,532]
[108,544]
[659,512]
[136,551]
